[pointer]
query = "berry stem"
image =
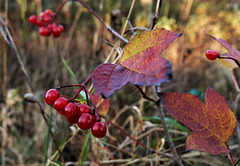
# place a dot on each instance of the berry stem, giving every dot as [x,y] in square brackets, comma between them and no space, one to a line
[145,96]
[86,93]
[236,61]
[95,14]
[155,17]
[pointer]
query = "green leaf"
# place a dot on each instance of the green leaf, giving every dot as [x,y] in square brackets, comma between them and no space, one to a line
[172,122]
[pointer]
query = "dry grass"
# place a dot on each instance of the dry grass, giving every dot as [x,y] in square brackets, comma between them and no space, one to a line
[23,130]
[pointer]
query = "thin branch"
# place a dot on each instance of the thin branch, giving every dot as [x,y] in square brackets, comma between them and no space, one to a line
[13,46]
[170,142]
[145,96]
[140,143]
[155,17]
[236,61]
[93,13]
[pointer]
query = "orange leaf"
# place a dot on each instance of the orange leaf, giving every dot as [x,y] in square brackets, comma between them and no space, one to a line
[102,104]
[212,123]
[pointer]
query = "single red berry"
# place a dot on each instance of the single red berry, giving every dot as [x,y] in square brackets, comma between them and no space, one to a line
[61,28]
[51,96]
[56,31]
[48,11]
[84,108]
[39,23]
[49,31]
[43,31]
[60,105]
[85,121]
[211,54]
[42,15]
[32,19]
[99,129]
[47,18]
[73,120]
[70,110]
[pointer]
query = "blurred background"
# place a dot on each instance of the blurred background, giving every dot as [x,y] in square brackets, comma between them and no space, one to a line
[86,43]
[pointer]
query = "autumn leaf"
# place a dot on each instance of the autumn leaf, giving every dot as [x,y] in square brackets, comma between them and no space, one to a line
[101,104]
[140,63]
[212,123]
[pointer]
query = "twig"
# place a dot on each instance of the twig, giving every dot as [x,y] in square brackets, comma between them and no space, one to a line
[13,46]
[95,14]
[140,143]
[145,96]
[236,61]
[171,144]
[155,17]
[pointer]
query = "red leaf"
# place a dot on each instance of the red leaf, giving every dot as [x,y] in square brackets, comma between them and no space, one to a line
[140,63]
[212,124]
[110,77]
[233,52]
[102,104]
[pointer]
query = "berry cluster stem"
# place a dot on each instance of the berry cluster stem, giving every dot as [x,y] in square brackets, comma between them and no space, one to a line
[236,61]
[95,14]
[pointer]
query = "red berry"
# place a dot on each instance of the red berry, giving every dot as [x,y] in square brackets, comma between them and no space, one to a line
[56,31]
[61,28]
[42,15]
[73,120]
[211,54]
[60,105]
[49,11]
[51,96]
[70,110]
[85,121]
[39,23]
[84,108]
[47,18]
[99,129]
[32,19]
[43,31]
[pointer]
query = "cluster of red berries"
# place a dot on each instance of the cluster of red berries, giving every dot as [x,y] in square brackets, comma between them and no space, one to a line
[212,54]
[45,24]
[76,113]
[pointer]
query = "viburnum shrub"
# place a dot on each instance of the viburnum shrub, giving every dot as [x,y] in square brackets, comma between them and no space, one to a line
[212,124]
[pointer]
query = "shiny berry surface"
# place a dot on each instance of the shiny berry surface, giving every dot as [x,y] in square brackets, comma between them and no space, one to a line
[43,31]
[32,19]
[70,110]
[56,31]
[86,121]
[60,104]
[99,129]
[84,108]
[51,96]
[211,54]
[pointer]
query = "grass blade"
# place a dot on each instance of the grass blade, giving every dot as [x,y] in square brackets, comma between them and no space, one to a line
[47,138]
[85,149]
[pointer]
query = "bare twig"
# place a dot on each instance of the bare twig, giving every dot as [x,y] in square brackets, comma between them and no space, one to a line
[13,46]
[170,142]
[140,143]
[95,14]
[155,17]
